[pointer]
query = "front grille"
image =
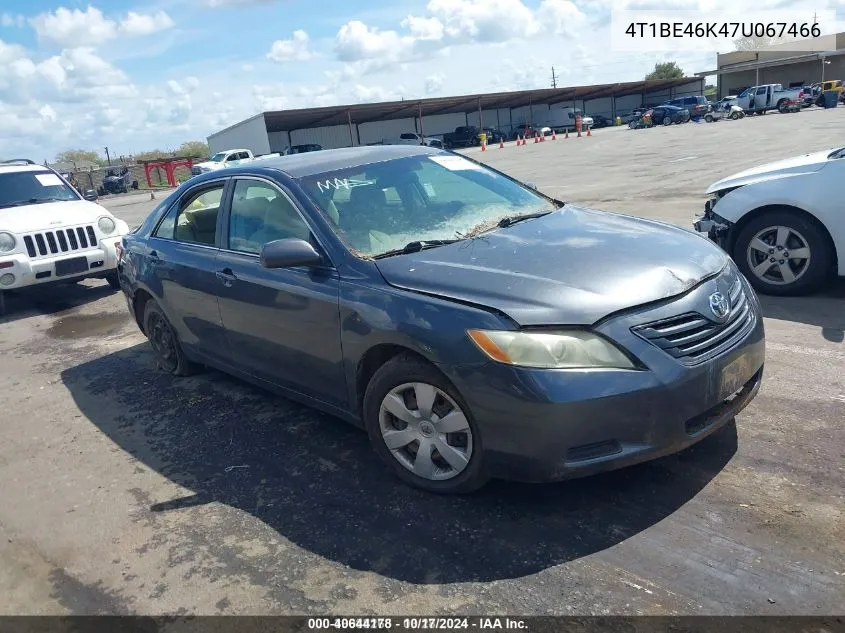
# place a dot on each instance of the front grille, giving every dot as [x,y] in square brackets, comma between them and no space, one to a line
[60,241]
[196,171]
[693,338]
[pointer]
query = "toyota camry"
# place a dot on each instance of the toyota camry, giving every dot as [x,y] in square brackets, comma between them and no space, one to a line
[473,326]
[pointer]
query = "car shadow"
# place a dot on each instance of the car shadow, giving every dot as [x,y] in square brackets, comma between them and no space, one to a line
[53,299]
[315,480]
[825,310]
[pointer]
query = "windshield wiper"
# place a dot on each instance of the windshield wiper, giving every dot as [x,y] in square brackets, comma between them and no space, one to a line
[513,219]
[415,247]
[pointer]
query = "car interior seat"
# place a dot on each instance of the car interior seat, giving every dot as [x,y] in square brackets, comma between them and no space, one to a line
[281,221]
[246,219]
[199,226]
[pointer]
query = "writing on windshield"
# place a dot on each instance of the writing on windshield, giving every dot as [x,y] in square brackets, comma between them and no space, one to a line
[381,207]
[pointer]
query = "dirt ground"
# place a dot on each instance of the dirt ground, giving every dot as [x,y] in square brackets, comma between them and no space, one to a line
[127,491]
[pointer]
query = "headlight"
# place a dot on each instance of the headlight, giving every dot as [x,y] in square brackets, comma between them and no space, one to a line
[553,350]
[106,225]
[7,242]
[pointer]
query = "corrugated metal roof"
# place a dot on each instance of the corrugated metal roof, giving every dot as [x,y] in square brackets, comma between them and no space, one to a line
[769,63]
[286,120]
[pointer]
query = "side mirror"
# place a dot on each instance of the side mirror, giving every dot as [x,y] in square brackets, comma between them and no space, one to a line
[288,253]
[90,195]
[531,185]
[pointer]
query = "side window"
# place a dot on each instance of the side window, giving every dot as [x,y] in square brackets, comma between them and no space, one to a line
[260,214]
[232,157]
[761,90]
[196,220]
[168,224]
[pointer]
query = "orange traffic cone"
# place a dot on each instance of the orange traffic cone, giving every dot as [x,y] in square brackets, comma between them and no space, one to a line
[501,143]
[588,131]
[554,136]
[542,137]
[536,138]
[484,147]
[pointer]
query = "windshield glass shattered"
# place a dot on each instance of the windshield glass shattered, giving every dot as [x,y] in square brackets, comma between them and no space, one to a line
[438,198]
[20,188]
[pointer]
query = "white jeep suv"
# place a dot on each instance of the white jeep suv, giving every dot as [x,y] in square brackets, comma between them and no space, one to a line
[49,233]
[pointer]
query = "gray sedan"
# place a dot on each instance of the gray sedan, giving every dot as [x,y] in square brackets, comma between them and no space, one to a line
[473,326]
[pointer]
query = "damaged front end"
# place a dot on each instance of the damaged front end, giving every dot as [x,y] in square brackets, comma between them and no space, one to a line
[716,227]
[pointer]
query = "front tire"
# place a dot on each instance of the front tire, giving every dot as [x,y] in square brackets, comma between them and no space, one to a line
[166,348]
[667,120]
[783,253]
[422,429]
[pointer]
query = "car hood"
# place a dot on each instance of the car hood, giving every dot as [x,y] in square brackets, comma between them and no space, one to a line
[50,215]
[572,267]
[804,164]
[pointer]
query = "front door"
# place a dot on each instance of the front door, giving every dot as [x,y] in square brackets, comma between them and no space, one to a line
[181,265]
[283,325]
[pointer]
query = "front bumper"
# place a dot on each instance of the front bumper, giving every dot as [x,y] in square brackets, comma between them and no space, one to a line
[547,425]
[715,227]
[102,260]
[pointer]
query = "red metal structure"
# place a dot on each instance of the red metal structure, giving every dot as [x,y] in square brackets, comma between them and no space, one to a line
[169,165]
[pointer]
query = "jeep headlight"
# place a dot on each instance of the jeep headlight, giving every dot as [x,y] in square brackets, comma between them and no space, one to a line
[106,225]
[568,349]
[7,242]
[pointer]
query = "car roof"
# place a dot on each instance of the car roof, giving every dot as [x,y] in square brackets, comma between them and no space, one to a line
[310,163]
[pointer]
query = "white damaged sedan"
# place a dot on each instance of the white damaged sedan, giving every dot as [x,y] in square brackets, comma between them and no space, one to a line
[783,223]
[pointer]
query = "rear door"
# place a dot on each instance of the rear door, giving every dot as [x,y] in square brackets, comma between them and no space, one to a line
[282,325]
[180,268]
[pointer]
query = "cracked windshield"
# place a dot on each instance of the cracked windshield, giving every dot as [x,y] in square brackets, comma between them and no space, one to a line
[385,206]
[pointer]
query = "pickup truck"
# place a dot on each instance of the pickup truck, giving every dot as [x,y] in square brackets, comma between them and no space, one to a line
[760,99]
[228,158]
[463,136]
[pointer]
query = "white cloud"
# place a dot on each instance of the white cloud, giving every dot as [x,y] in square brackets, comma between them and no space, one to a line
[452,23]
[234,3]
[145,24]
[371,94]
[10,20]
[90,28]
[47,113]
[247,68]
[295,49]
[433,83]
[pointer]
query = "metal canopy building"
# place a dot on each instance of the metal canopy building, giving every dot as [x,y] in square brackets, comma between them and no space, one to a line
[368,123]
[792,64]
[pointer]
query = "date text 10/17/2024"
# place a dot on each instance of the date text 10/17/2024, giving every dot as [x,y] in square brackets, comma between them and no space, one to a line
[418,623]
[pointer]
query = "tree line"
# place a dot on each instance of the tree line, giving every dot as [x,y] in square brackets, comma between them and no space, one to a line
[193,149]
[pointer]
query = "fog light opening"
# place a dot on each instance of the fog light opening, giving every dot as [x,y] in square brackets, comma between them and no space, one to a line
[7,280]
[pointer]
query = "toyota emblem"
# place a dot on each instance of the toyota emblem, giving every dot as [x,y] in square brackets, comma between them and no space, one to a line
[719,305]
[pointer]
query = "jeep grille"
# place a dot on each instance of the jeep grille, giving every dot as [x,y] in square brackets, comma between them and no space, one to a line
[60,241]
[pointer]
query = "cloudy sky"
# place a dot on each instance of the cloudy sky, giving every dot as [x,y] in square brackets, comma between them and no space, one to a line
[136,76]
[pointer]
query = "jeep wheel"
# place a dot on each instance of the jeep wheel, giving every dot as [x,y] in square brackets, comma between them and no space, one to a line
[113,280]
[166,348]
[783,253]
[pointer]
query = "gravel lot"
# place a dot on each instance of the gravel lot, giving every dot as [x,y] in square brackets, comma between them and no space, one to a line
[126,491]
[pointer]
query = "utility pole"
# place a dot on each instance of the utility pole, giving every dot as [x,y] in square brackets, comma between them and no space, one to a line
[554,79]
[108,159]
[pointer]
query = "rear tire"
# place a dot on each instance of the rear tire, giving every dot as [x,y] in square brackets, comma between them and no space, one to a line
[166,348]
[462,471]
[811,270]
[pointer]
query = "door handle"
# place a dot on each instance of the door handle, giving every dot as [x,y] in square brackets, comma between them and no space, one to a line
[226,276]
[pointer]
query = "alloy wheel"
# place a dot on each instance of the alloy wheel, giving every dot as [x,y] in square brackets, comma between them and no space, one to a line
[426,431]
[779,255]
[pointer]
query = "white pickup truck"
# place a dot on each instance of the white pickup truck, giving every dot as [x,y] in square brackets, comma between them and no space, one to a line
[759,99]
[228,158]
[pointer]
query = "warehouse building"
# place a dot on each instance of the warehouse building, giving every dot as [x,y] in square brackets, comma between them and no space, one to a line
[792,64]
[371,123]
